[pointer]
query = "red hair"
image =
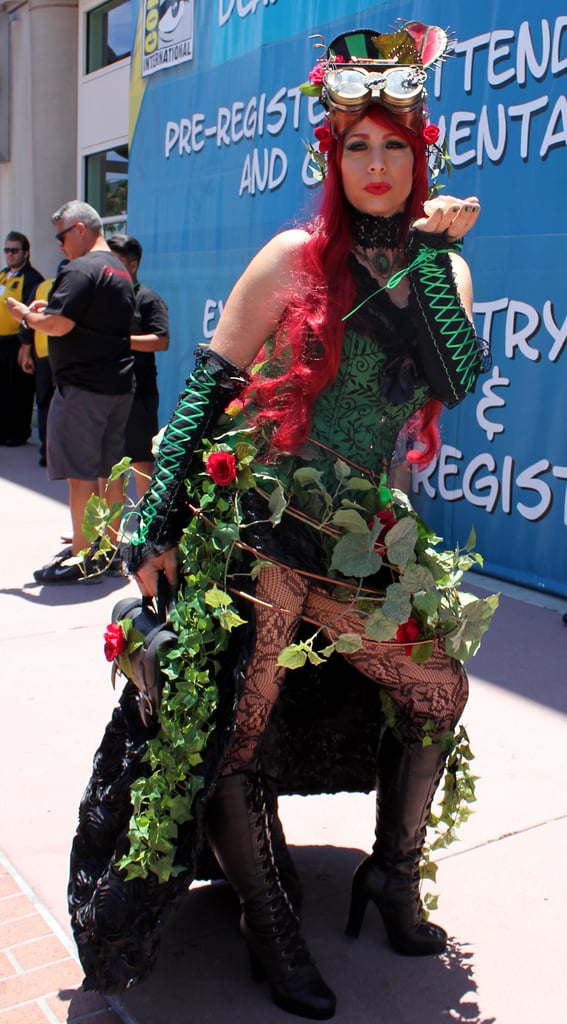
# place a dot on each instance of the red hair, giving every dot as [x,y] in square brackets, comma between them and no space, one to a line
[426,433]
[308,340]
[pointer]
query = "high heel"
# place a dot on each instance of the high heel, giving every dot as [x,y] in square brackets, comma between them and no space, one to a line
[358,903]
[408,777]
[238,830]
[400,907]
[257,972]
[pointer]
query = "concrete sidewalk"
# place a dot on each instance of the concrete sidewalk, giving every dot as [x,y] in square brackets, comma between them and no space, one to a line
[502,890]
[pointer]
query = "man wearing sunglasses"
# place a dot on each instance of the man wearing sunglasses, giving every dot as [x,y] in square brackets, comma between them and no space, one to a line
[87,319]
[18,279]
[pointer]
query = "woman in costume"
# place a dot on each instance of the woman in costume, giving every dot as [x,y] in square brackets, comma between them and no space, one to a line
[333,338]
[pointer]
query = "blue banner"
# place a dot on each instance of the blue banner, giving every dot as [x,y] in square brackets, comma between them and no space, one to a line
[217,166]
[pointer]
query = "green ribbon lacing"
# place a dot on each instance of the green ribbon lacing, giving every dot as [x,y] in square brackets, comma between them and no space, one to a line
[424,256]
[181,430]
[454,326]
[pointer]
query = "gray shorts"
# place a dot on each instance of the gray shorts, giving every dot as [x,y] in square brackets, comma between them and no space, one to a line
[85,433]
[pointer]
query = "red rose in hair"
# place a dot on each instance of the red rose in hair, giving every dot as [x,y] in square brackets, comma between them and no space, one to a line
[324,137]
[221,467]
[114,641]
[407,633]
[317,73]
[430,134]
[388,519]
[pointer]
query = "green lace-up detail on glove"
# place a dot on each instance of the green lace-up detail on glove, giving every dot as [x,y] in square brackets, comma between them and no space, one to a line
[163,513]
[452,355]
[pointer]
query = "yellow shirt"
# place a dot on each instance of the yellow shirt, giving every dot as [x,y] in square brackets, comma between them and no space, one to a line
[40,340]
[10,287]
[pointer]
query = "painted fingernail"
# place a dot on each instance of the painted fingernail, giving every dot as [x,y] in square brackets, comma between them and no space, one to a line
[468,209]
[456,209]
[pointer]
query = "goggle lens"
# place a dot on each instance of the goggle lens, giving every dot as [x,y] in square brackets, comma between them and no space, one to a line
[354,88]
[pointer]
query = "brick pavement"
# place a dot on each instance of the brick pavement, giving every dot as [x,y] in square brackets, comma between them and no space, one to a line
[40,976]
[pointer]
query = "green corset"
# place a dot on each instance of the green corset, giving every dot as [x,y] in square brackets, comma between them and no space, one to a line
[352,417]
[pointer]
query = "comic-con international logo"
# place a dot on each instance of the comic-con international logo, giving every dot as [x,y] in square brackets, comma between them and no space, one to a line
[167,33]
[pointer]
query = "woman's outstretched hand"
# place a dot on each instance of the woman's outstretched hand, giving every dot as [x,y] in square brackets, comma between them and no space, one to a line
[147,574]
[447,213]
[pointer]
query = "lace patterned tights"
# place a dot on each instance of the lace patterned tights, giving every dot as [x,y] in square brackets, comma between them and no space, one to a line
[436,691]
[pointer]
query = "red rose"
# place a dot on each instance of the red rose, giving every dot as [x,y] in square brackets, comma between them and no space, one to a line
[316,74]
[114,641]
[324,137]
[388,519]
[407,633]
[221,467]
[430,134]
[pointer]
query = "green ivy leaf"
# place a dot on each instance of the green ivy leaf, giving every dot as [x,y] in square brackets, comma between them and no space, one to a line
[309,89]
[397,603]
[217,598]
[359,483]
[229,619]
[277,504]
[292,657]
[308,475]
[415,578]
[426,603]
[119,469]
[341,469]
[401,540]
[348,643]
[421,653]
[380,627]
[225,534]
[429,870]
[354,555]
[245,453]
[351,520]
[476,616]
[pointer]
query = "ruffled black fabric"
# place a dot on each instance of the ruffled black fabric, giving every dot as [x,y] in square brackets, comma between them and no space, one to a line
[322,738]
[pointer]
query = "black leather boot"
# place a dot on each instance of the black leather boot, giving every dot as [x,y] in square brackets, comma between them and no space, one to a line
[408,777]
[284,861]
[238,832]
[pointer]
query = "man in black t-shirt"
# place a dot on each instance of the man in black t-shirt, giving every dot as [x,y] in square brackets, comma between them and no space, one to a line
[87,319]
[149,334]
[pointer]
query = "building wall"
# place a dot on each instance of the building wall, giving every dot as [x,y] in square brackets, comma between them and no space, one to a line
[103,101]
[57,116]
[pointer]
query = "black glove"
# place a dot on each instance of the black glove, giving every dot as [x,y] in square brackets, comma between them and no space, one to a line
[451,354]
[163,513]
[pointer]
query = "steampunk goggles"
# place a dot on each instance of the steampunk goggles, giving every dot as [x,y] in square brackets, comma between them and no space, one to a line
[350,90]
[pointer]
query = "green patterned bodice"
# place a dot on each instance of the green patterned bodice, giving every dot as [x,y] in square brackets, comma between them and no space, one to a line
[352,416]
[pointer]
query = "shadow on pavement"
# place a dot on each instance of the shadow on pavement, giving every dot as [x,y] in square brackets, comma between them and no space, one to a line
[202,967]
[67,595]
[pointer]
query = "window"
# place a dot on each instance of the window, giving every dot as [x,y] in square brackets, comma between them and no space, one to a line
[109,33]
[106,186]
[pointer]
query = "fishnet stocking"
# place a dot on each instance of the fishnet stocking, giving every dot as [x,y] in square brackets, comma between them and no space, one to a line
[280,588]
[436,691]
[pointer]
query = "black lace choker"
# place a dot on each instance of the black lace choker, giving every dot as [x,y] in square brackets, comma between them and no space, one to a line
[370,232]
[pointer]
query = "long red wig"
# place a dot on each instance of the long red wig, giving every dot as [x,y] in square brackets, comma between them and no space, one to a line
[305,352]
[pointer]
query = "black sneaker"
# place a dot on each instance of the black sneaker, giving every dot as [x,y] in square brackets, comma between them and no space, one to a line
[107,559]
[63,570]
